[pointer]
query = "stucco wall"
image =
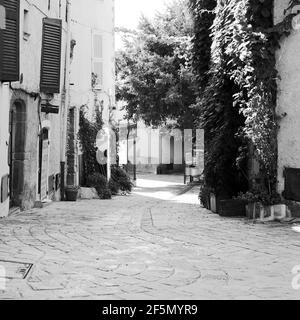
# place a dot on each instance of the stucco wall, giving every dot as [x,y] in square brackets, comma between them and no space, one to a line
[288,65]
[87,16]
[30,66]
[98,18]
[4,138]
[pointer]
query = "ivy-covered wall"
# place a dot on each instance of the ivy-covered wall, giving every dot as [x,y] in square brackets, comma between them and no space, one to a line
[237,102]
[242,108]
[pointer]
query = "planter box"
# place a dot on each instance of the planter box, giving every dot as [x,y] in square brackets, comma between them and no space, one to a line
[71,194]
[294,209]
[266,213]
[232,208]
[281,211]
[215,202]
[257,211]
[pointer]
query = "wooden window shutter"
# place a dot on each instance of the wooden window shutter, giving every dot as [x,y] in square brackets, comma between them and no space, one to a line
[10,42]
[51,56]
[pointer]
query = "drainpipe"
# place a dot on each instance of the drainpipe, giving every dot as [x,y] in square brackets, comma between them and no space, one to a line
[65,109]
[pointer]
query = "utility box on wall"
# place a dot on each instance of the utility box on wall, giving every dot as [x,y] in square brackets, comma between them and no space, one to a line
[292,184]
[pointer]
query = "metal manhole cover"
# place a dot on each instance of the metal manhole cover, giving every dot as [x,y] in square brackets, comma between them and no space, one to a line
[15,270]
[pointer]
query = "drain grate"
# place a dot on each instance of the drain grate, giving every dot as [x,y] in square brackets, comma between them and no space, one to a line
[15,270]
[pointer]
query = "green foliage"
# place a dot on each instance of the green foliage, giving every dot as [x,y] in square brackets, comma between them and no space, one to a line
[220,120]
[114,187]
[106,194]
[238,88]
[154,73]
[204,15]
[260,195]
[96,180]
[120,180]
[87,134]
[99,182]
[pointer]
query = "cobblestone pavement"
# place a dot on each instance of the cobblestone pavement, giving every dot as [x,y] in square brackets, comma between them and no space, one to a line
[153,244]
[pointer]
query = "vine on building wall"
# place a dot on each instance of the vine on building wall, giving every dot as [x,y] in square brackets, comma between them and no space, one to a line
[238,103]
[87,134]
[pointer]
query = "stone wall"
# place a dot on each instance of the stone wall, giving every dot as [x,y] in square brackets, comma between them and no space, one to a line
[27,91]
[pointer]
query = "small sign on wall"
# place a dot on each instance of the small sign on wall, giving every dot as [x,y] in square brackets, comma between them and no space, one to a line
[2,17]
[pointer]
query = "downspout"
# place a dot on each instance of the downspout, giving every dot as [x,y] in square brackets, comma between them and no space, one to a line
[65,109]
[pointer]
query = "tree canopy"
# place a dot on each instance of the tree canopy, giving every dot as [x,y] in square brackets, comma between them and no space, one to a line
[154,72]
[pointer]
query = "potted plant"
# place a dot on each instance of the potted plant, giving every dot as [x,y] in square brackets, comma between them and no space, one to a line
[71,193]
[252,201]
[100,183]
[263,205]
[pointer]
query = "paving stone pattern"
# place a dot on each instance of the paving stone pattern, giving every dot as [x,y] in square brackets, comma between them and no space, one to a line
[152,244]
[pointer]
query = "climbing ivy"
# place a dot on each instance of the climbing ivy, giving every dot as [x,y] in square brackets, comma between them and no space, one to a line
[87,134]
[238,87]
[204,15]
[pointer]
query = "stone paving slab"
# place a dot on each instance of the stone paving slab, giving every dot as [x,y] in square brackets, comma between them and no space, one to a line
[152,244]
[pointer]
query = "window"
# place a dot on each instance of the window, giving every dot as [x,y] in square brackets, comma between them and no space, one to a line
[9,40]
[51,56]
[98,60]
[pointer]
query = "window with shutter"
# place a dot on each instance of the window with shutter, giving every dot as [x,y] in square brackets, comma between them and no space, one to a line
[10,40]
[51,56]
[98,60]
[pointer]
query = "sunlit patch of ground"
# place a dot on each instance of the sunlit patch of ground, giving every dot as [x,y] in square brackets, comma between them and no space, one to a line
[166,187]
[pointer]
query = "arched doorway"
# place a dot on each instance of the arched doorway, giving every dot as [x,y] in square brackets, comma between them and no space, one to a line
[17,145]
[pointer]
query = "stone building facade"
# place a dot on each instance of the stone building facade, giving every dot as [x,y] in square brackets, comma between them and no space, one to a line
[31,130]
[48,78]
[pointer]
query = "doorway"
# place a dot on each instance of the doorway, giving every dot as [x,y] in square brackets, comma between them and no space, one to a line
[43,164]
[17,144]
